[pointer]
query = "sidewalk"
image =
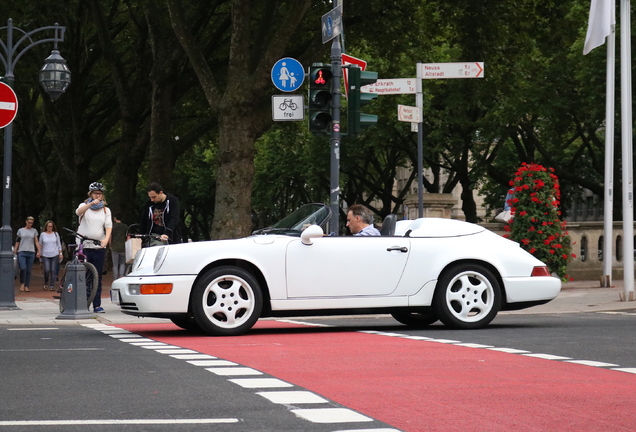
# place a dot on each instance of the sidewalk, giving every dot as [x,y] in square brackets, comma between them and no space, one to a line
[38,307]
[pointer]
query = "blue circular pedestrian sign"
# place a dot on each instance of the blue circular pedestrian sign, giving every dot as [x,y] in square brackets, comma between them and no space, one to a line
[288,74]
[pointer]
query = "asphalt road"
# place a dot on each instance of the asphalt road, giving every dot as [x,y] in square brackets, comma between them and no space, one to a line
[523,372]
[72,377]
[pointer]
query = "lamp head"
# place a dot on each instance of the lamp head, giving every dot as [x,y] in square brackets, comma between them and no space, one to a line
[55,76]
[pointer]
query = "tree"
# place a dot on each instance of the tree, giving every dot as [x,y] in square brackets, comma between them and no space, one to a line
[236,91]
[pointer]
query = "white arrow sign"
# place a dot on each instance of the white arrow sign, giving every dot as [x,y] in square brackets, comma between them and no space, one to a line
[409,114]
[391,86]
[451,70]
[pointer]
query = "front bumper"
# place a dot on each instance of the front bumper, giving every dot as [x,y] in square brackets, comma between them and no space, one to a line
[124,292]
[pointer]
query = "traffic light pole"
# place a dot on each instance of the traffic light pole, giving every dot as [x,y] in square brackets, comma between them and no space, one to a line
[334,196]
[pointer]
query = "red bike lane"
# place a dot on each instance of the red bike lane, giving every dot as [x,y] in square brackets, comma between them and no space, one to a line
[418,386]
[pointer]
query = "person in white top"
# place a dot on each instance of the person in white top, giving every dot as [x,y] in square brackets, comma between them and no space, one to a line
[95,222]
[51,255]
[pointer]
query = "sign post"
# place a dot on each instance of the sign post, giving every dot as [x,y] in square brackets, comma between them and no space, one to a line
[8,105]
[436,71]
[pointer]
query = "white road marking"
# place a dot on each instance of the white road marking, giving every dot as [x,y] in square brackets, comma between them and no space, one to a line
[176,351]
[368,430]
[115,422]
[234,371]
[149,344]
[260,382]
[331,415]
[303,323]
[474,345]
[591,363]
[628,370]
[292,397]
[33,328]
[548,356]
[157,347]
[192,356]
[212,363]
[510,350]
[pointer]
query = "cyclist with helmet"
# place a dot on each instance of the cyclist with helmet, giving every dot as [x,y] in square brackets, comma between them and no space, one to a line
[95,222]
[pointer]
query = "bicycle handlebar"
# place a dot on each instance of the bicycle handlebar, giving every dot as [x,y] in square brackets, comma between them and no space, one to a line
[154,236]
[82,237]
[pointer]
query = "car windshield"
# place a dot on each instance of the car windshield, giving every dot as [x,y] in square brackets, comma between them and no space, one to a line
[294,223]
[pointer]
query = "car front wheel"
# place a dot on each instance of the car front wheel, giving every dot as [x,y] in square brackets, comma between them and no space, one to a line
[468,296]
[227,301]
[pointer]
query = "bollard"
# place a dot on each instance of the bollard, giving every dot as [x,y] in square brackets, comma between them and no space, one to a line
[73,301]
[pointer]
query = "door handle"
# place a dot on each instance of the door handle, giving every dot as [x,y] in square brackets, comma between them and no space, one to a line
[403,249]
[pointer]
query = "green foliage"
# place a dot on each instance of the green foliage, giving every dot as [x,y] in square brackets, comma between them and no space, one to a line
[536,225]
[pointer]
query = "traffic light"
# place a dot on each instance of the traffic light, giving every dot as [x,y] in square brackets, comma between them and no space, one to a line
[356,119]
[320,98]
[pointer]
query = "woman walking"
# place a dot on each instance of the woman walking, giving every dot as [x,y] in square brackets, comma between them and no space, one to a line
[95,223]
[51,251]
[27,247]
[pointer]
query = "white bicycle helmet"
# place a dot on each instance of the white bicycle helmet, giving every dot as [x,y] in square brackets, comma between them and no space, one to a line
[96,186]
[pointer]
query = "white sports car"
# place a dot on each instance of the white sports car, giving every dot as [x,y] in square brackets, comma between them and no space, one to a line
[419,271]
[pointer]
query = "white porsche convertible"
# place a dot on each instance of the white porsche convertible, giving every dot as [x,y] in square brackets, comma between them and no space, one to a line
[419,271]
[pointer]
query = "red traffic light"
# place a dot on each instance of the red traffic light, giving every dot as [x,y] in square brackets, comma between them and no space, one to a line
[320,76]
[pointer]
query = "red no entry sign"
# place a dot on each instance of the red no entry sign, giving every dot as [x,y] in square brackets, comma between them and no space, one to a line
[8,105]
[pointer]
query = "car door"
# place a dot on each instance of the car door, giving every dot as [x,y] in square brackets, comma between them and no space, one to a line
[345,266]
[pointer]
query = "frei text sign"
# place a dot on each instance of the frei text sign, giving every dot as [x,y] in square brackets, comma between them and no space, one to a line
[391,86]
[8,105]
[409,114]
[288,108]
[451,70]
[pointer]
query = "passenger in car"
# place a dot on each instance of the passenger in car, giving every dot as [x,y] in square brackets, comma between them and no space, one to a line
[360,221]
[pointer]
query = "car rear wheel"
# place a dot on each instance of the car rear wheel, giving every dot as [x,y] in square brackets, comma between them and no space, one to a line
[416,319]
[227,301]
[468,296]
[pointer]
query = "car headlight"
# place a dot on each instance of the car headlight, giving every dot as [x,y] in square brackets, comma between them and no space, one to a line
[138,257]
[160,258]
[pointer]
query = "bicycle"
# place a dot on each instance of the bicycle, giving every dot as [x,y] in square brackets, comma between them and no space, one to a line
[80,258]
[287,103]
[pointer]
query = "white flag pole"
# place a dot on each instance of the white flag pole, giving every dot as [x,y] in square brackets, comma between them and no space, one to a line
[626,153]
[608,219]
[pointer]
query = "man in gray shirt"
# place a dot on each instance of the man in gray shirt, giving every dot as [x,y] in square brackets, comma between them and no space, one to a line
[360,220]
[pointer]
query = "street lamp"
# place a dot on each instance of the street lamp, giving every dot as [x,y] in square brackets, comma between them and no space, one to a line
[55,77]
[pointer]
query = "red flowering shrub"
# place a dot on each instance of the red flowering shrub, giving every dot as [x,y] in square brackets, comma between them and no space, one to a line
[537,224]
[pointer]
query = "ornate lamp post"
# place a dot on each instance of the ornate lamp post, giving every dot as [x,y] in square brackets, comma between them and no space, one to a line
[55,78]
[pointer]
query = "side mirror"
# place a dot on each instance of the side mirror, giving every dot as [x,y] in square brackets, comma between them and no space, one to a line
[309,233]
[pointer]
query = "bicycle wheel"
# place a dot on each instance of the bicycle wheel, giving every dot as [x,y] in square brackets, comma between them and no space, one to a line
[91,282]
